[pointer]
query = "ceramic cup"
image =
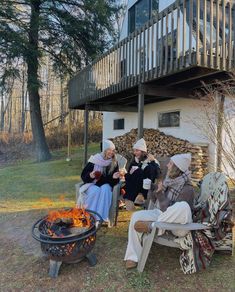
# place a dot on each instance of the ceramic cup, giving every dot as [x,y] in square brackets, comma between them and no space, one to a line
[147,184]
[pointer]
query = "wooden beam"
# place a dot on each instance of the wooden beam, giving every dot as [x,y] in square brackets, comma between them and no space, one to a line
[140,113]
[86,121]
[163,91]
[112,108]
[219,141]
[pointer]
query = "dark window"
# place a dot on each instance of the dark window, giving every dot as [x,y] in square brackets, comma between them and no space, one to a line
[155,7]
[118,124]
[141,12]
[170,119]
[123,68]
[131,18]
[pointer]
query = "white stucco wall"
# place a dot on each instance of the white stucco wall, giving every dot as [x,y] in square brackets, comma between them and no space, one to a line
[189,122]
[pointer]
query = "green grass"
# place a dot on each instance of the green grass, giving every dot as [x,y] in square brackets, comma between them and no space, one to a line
[34,185]
[28,190]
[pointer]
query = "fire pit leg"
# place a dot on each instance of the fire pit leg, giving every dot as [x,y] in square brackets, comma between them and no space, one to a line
[54,268]
[91,257]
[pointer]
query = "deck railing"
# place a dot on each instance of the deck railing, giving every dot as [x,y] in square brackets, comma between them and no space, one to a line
[187,33]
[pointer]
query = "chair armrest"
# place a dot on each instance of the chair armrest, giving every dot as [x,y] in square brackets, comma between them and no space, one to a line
[176,226]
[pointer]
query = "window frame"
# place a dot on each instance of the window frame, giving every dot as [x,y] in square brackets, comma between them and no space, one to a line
[115,129]
[168,112]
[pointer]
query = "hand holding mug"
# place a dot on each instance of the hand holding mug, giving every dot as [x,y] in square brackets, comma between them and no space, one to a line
[92,174]
[159,187]
[97,174]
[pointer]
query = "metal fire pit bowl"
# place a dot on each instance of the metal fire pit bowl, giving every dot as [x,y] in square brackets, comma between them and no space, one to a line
[70,248]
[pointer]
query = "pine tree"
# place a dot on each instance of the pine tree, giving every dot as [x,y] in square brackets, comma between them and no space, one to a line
[72,32]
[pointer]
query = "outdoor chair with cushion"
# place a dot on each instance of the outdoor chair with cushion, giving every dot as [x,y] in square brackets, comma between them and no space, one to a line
[113,211]
[214,196]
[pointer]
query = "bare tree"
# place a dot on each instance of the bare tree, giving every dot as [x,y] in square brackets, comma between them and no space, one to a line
[216,121]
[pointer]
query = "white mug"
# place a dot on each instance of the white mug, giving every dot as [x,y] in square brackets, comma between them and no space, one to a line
[147,184]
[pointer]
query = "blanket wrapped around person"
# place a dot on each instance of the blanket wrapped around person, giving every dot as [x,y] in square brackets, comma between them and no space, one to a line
[214,210]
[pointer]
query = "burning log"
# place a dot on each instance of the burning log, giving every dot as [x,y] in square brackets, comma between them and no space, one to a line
[66,222]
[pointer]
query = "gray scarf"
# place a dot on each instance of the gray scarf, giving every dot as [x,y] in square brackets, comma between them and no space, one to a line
[175,186]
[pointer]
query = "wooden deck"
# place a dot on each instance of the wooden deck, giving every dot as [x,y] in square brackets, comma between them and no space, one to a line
[188,42]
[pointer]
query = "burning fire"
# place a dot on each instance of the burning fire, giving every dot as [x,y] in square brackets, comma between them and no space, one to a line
[76,217]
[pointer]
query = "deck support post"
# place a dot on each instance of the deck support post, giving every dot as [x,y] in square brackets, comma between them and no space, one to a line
[140,112]
[86,121]
[220,125]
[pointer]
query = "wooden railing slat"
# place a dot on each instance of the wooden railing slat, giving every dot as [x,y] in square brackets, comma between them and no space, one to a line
[164,44]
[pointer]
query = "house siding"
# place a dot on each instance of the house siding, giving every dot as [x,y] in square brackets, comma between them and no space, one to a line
[189,129]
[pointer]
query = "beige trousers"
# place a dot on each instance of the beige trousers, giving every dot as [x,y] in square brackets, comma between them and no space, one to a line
[180,212]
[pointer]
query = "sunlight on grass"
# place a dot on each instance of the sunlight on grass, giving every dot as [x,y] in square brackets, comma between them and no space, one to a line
[33,185]
[11,207]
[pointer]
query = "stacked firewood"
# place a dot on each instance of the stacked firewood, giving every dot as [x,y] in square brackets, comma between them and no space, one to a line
[161,145]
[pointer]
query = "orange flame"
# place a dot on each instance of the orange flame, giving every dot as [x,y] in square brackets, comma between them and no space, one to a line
[80,218]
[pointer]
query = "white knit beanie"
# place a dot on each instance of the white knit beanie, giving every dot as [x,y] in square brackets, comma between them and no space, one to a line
[182,161]
[107,144]
[140,145]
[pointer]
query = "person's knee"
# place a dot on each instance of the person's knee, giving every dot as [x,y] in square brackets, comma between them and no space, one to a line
[106,187]
[96,189]
[138,215]
[182,206]
[93,191]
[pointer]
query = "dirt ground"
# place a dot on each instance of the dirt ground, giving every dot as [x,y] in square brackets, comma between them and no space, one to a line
[24,268]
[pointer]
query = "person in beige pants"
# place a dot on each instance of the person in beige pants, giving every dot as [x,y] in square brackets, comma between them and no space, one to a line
[175,197]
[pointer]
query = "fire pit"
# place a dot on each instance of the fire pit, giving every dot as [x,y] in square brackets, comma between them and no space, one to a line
[67,236]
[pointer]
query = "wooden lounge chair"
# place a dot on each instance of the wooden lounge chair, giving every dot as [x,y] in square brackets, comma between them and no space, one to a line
[208,187]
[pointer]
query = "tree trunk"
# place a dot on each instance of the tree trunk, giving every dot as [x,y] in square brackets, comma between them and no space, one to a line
[2,119]
[10,116]
[23,101]
[41,147]
[62,101]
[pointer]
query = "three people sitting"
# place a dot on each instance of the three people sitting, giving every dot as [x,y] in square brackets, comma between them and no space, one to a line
[174,204]
[142,166]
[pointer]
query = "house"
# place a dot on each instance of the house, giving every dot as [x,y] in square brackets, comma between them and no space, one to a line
[152,78]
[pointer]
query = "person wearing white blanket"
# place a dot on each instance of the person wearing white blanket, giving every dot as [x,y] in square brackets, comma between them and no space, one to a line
[99,176]
[174,204]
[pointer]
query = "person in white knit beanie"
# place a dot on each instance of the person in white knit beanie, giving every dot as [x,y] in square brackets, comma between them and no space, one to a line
[107,144]
[174,204]
[140,145]
[142,166]
[100,175]
[182,161]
